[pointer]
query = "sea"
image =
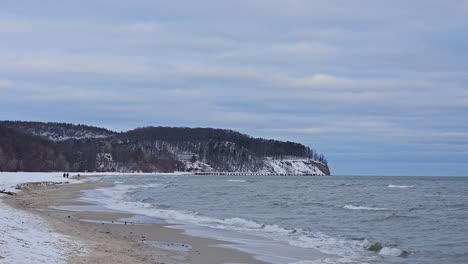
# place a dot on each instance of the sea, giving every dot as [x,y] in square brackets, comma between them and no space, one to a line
[305,220]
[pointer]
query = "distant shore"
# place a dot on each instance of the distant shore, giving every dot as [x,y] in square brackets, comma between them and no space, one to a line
[108,238]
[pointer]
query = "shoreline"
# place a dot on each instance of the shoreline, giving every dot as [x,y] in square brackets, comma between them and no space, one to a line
[109,240]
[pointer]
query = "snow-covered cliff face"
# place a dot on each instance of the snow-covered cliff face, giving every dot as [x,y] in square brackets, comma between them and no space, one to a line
[214,156]
[291,166]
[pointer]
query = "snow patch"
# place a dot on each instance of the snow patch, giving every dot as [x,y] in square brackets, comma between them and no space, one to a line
[25,238]
[197,166]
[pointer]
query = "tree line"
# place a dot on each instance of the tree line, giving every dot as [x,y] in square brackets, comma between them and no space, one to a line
[142,149]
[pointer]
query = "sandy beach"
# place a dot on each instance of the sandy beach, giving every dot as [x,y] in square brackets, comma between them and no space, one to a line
[105,238]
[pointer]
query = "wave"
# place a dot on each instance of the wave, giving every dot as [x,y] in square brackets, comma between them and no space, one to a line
[352,207]
[400,186]
[395,216]
[383,250]
[152,185]
[342,247]
[394,252]
[456,205]
[280,204]
[236,180]
[148,200]
[115,198]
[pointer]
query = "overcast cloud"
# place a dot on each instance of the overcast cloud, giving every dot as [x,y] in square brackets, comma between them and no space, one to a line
[380,87]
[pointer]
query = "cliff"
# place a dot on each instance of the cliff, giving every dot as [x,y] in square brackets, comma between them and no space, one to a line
[152,149]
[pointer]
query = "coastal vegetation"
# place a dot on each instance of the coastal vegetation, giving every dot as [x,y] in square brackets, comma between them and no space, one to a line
[39,146]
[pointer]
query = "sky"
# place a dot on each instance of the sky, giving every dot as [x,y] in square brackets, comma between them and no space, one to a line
[379,87]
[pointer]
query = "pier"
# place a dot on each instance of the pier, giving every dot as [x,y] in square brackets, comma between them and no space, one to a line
[218,173]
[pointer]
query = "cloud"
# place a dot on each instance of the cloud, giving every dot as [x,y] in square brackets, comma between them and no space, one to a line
[285,80]
[257,84]
[304,130]
[305,49]
[450,134]
[316,80]
[147,27]
[278,9]
[282,51]
[140,67]
[22,24]
[355,76]
[386,132]
[5,83]
[356,125]
[76,64]
[14,26]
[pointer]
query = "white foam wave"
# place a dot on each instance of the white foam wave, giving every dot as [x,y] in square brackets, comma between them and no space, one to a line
[400,186]
[326,261]
[294,237]
[115,198]
[237,221]
[388,251]
[236,180]
[152,185]
[352,207]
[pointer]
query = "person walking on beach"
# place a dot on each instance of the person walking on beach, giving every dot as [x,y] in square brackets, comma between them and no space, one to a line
[64,175]
[67,175]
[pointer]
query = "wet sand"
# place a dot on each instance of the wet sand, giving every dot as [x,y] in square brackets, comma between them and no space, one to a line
[109,239]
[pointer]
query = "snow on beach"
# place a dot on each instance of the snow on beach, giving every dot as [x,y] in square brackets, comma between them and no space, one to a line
[9,180]
[24,237]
